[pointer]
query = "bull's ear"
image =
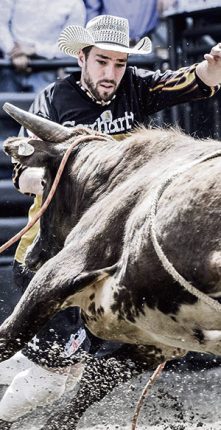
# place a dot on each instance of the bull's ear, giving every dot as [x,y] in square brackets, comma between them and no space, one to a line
[41,127]
[30,153]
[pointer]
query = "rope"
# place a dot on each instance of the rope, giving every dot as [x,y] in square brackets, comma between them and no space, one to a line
[144,393]
[73,142]
[172,271]
[162,257]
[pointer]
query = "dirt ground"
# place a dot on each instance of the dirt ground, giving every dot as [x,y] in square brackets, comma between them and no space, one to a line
[179,400]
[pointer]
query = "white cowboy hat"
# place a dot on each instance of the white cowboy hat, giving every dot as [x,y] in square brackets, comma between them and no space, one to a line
[105,32]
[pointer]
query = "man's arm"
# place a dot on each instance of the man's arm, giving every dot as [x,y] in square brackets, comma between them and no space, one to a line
[209,70]
[160,90]
[49,48]
[6,38]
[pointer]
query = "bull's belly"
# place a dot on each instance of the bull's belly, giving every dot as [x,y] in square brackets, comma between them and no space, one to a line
[151,327]
[142,332]
[177,340]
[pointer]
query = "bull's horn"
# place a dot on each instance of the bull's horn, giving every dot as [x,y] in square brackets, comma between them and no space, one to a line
[40,127]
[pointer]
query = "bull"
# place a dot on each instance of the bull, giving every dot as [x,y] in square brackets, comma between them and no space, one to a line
[131,237]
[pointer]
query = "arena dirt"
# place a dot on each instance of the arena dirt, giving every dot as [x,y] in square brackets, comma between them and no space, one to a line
[180,400]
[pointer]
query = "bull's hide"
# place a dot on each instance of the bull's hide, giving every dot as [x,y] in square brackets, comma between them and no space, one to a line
[95,236]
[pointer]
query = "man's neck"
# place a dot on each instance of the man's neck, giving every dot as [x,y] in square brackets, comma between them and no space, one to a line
[88,92]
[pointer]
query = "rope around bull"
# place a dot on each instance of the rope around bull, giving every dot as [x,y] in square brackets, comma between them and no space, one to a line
[172,271]
[73,142]
[162,257]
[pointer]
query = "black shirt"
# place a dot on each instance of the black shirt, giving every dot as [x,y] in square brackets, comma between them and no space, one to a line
[140,94]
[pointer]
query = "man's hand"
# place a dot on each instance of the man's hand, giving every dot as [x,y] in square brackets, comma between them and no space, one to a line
[215,55]
[20,54]
[209,70]
[20,62]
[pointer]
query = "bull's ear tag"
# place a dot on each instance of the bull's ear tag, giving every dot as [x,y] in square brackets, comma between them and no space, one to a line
[25,149]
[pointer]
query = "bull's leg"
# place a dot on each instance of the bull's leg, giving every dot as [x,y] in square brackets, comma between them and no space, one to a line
[46,293]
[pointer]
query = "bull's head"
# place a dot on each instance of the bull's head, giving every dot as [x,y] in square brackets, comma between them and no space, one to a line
[82,182]
[48,133]
[47,151]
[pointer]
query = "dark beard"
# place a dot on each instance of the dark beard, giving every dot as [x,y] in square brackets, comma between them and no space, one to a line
[93,90]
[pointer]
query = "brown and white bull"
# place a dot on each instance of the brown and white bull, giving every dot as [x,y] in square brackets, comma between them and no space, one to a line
[133,226]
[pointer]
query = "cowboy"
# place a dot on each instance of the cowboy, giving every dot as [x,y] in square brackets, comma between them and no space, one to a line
[112,98]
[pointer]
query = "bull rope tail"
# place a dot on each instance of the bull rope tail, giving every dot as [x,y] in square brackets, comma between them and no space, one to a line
[73,142]
[162,257]
[144,393]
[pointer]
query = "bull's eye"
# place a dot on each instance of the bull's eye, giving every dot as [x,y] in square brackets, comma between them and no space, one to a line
[25,149]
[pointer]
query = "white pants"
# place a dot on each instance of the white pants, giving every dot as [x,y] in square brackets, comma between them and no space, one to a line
[31,385]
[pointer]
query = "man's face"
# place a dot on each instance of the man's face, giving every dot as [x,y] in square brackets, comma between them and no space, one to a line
[102,71]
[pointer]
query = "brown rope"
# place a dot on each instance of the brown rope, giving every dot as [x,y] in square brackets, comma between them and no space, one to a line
[30,224]
[170,269]
[144,393]
[168,266]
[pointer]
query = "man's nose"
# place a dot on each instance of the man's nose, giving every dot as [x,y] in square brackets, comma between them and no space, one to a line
[110,72]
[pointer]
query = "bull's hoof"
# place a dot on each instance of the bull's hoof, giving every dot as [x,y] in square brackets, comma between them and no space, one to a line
[5,425]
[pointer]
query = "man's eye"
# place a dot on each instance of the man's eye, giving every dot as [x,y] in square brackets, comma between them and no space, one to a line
[120,65]
[101,62]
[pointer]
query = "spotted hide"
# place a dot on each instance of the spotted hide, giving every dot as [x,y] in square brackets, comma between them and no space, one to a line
[96,246]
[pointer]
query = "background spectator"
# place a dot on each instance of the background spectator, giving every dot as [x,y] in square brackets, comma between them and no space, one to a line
[142,14]
[30,30]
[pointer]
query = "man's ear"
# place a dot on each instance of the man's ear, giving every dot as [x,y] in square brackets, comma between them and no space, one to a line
[81,58]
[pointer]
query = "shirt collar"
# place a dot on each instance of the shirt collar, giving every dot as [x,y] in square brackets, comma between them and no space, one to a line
[99,102]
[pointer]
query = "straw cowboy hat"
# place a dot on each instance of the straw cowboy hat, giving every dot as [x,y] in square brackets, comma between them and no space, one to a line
[105,32]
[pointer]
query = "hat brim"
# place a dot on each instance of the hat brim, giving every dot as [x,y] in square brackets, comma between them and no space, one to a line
[75,38]
[143,47]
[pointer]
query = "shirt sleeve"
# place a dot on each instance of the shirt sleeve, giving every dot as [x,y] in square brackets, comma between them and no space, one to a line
[174,87]
[6,38]
[49,49]
[93,8]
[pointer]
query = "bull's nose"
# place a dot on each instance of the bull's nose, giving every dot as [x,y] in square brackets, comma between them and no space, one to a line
[8,145]
[17,147]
